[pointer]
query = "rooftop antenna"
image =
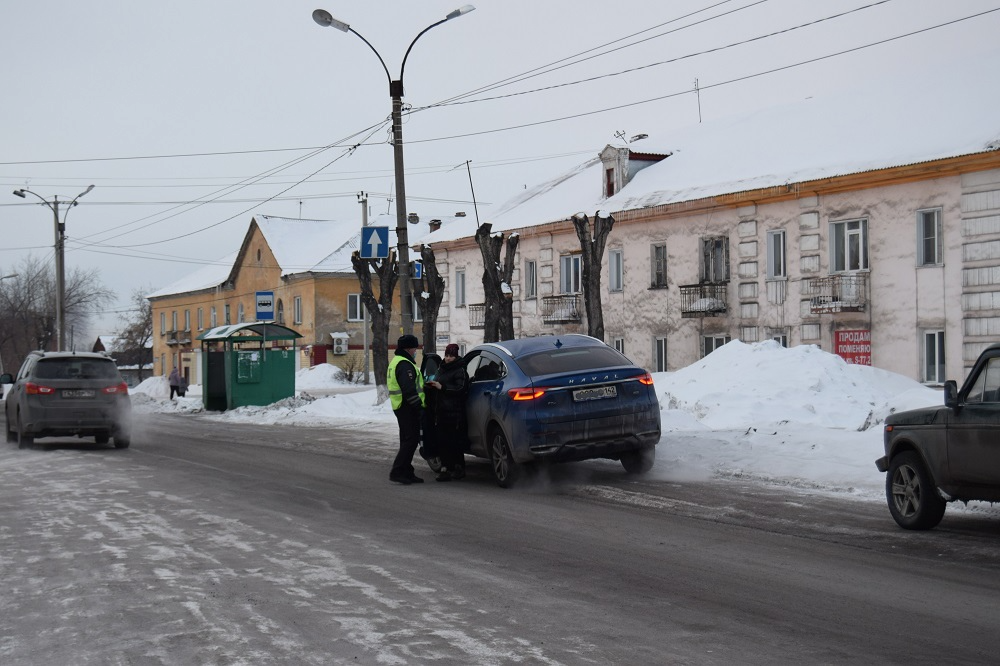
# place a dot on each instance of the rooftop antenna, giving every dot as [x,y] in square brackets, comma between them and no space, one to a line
[475,207]
[620,134]
[697,93]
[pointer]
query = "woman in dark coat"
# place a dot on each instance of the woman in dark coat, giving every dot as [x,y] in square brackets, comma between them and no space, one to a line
[452,387]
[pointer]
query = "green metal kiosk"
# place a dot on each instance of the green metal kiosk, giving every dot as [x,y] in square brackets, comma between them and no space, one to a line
[247,364]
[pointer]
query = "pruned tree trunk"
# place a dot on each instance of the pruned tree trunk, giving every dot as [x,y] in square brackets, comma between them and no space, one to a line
[433,286]
[380,311]
[499,315]
[592,246]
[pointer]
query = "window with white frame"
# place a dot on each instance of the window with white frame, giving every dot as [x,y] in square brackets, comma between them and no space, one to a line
[929,238]
[228,314]
[850,246]
[163,323]
[297,309]
[776,254]
[201,319]
[619,345]
[530,279]
[658,262]
[417,307]
[660,354]
[355,308]
[173,320]
[715,259]
[240,314]
[933,352]
[187,320]
[616,270]
[459,288]
[280,311]
[781,337]
[213,317]
[569,274]
[710,343]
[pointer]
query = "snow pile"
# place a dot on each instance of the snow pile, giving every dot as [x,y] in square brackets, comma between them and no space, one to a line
[319,376]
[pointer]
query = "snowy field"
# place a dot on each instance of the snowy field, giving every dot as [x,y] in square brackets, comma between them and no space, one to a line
[798,417]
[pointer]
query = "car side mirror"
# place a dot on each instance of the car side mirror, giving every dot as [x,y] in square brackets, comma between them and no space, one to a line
[6,378]
[951,394]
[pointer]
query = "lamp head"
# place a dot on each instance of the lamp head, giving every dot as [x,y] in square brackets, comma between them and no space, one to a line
[464,9]
[325,19]
[19,193]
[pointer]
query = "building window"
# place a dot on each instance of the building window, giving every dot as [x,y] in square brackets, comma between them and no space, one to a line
[619,345]
[530,279]
[229,317]
[660,354]
[355,311]
[780,337]
[850,246]
[616,270]
[712,342]
[173,320]
[201,319]
[297,310]
[658,261]
[569,274]
[776,254]
[281,311]
[715,259]
[609,182]
[460,288]
[418,307]
[240,315]
[929,238]
[213,317]
[163,323]
[187,320]
[934,357]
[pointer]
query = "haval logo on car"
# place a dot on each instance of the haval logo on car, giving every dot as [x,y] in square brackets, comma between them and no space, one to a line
[595,378]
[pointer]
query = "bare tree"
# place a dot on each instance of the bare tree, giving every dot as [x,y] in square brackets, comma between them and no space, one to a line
[433,286]
[29,301]
[592,247]
[133,345]
[380,311]
[499,316]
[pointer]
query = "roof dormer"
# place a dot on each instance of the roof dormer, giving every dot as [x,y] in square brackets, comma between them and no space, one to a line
[621,163]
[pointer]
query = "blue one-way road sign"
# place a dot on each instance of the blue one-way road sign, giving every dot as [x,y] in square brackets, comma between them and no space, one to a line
[374,242]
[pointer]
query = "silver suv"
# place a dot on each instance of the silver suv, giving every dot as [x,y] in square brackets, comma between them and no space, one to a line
[57,394]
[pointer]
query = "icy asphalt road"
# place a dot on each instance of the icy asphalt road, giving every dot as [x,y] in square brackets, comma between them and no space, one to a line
[212,543]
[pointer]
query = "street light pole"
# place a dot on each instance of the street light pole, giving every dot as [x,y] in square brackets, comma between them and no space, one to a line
[325,19]
[60,247]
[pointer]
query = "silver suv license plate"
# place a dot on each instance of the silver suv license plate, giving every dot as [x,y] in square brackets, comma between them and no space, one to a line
[595,393]
[78,393]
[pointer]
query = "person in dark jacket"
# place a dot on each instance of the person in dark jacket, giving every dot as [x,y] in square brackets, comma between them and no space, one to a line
[451,387]
[406,395]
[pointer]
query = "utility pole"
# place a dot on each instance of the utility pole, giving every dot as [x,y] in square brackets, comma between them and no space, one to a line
[363,200]
[60,246]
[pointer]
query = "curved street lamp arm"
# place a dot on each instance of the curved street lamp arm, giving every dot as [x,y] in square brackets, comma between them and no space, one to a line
[410,47]
[21,192]
[387,74]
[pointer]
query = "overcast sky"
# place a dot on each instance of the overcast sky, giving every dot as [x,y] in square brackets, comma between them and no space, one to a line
[191,116]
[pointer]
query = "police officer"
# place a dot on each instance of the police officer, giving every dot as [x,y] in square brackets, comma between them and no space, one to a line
[406,395]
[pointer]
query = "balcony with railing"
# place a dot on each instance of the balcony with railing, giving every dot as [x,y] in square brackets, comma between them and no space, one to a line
[477,316]
[561,309]
[704,300]
[837,293]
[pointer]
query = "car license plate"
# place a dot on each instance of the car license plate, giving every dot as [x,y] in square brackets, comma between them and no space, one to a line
[78,393]
[595,393]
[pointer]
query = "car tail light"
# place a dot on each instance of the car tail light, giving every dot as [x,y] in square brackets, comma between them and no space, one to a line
[37,389]
[646,379]
[526,393]
[114,390]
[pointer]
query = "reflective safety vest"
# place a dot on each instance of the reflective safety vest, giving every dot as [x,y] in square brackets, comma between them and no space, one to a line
[395,393]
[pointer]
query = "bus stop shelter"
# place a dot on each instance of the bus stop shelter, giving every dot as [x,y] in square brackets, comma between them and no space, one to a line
[251,363]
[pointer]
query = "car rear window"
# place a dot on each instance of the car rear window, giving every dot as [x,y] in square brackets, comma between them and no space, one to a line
[574,359]
[75,368]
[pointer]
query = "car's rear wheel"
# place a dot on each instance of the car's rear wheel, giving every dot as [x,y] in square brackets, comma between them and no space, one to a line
[122,441]
[505,470]
[639,461]
[24,440]
[913,499]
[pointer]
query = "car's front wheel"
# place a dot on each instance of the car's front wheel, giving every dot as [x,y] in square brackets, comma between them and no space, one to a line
[913,499]
[24,440]
[122,441]
[505,470]
[639,461]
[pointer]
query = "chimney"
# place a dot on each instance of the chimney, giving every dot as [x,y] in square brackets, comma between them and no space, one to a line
[435,225]
[413,218]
